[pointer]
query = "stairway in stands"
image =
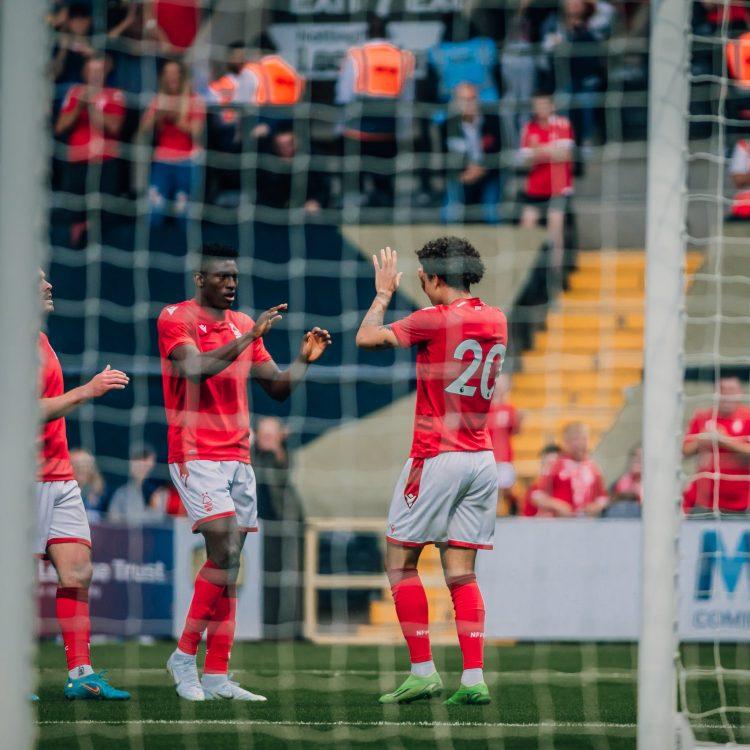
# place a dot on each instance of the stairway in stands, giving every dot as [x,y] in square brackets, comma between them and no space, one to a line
[590,351]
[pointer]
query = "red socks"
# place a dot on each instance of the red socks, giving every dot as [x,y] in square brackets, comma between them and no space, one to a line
[411,608]
[220,634]
[209,586]
[72,610]
[468,606]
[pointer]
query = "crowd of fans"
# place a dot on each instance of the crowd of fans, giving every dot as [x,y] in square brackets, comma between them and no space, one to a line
[128,92]
[570,483]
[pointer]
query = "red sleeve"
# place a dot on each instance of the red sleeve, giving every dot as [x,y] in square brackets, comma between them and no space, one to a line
[546,480]
[696,425]
[173,332]
[258,352]
[71,99]
[115,104]
[525,136]
[417,327]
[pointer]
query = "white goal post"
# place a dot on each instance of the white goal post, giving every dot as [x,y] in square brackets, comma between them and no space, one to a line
[23,149]
[663,369]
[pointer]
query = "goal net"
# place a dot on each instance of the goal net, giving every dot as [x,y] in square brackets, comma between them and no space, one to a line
[520,126]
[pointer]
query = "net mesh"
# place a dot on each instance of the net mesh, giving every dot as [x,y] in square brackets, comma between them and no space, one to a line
[305,205]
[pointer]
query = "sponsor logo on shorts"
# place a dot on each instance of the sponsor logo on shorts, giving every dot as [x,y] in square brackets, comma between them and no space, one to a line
[208,503]
[410,498]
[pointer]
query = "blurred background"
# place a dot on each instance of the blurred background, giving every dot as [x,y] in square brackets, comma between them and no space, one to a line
[310,133]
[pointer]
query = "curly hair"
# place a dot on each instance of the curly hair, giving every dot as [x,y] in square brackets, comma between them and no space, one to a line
[454,260]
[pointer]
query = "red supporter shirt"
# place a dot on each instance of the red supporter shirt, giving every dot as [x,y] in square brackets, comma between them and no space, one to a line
[54,459]
[503,423]
[86,143]
[178,19]
[578,483]
[734,483]
[210,420]
[173,144]
[629,484]
[548,179]
[460,350]
[529,508]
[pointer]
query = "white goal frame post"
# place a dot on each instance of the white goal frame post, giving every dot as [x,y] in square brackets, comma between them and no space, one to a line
[663,370]
[24,100]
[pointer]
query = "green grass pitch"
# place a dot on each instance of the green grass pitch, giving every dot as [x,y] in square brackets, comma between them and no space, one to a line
[550,696]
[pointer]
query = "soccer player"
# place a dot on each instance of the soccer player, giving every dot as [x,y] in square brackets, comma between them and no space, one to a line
[447,492]
[63,535]
[208,352]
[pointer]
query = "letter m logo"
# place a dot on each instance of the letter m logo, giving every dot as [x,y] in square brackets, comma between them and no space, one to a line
[713,556]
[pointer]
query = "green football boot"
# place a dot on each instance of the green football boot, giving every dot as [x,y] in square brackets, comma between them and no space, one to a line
[414,689]
[476,695]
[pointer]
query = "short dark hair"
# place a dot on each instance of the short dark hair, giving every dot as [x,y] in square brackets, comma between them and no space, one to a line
[453,260]
[550,448]
[79,10]
[215,251]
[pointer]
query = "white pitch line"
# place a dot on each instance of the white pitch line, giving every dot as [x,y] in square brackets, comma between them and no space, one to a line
[531,675]
[289,723]
[567,725]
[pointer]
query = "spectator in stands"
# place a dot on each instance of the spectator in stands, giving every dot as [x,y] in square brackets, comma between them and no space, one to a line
[503,424]
[739,170]
[280,508]
[176,118]
[518,76]
[137,501]
[572,485]
[90,481]
[547,457]
[719,438]
[72,45]
[547,151]
[470,140]
[91,120]
[374,79]
[131,45]
[626,493]
[174,23]
[574,60]
[282,182]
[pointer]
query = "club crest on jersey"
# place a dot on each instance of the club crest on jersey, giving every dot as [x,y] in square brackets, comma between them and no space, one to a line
[208,503]
[235,330]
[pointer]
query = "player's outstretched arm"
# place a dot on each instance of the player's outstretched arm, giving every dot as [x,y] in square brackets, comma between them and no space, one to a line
[103,382]
[195,365]
[279,384]
[372,334]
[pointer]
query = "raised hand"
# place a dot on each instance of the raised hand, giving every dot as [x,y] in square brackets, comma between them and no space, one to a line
[387,275]
[107,380]
[314,343]
[266,320]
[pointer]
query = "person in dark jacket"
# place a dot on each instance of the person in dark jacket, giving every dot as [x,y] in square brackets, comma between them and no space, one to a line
[471,145]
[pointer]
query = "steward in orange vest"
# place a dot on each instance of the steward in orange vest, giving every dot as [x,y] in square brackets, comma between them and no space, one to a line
[272,81]
[738,59]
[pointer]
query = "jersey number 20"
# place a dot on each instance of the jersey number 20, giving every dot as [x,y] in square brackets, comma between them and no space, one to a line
[487,381]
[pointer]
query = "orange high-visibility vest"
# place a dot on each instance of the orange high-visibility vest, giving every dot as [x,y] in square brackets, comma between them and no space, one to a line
[278,82]
[382,69]
[738,59]
[225,89]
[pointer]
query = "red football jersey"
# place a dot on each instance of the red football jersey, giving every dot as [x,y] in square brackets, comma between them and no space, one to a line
[173,144]
[503,424]
[547,179]
[578,483]
[54,459]
[86,142]
[209,420]
[733,491]
[460,350]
